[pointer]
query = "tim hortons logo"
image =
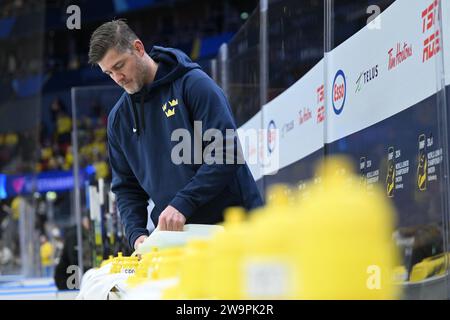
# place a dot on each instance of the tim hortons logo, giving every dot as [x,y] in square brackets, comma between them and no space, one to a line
[401,54]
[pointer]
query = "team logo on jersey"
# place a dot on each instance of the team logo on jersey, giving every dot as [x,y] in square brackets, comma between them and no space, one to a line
[170,111]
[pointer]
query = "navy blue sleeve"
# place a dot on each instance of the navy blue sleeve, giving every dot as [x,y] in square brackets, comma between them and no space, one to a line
[208,104]
[131,199]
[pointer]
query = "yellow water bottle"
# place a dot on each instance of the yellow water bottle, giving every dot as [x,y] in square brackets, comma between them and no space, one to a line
[344,240]
[268,263]
[224,275]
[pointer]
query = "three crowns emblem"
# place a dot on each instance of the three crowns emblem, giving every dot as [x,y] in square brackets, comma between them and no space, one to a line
[170,111]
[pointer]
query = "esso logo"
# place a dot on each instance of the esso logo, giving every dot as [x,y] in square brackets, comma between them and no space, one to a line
[339,92]
[271,136]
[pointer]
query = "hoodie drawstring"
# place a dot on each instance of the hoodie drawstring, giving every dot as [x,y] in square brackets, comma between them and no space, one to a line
[138,125]
[135,118]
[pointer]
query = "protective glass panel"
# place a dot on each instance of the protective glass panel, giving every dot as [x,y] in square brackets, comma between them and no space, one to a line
[22,74]
[386,111]
[101,231]
[243,70]
[295,62]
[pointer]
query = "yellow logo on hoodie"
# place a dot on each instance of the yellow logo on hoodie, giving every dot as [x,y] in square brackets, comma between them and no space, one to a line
[170,111]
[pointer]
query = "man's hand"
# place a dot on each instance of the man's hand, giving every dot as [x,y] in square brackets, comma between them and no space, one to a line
[139,241]
[171,220]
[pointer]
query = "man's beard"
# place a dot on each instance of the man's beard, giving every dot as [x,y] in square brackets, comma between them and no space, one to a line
[139,81]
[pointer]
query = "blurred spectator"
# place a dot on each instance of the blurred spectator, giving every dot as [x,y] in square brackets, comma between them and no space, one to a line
[98,115]
[4,212]
[46,251]
[27,144]
[56,106]
[101,167]
[13,227]
[68,159]
[45,156]
[58,243]
[8,149]
[63,130]
[41,214]
[6,254]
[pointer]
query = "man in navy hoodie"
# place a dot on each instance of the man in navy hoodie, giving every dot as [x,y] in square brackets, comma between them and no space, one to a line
[166,95]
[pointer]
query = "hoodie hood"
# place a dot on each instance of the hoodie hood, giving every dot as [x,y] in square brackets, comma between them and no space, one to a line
[175,62]
[172,64]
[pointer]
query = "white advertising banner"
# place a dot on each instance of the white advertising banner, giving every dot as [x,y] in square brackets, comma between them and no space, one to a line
[294,121]
[379,72]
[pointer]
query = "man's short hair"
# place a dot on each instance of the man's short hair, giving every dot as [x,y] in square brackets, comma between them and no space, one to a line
[114,34]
